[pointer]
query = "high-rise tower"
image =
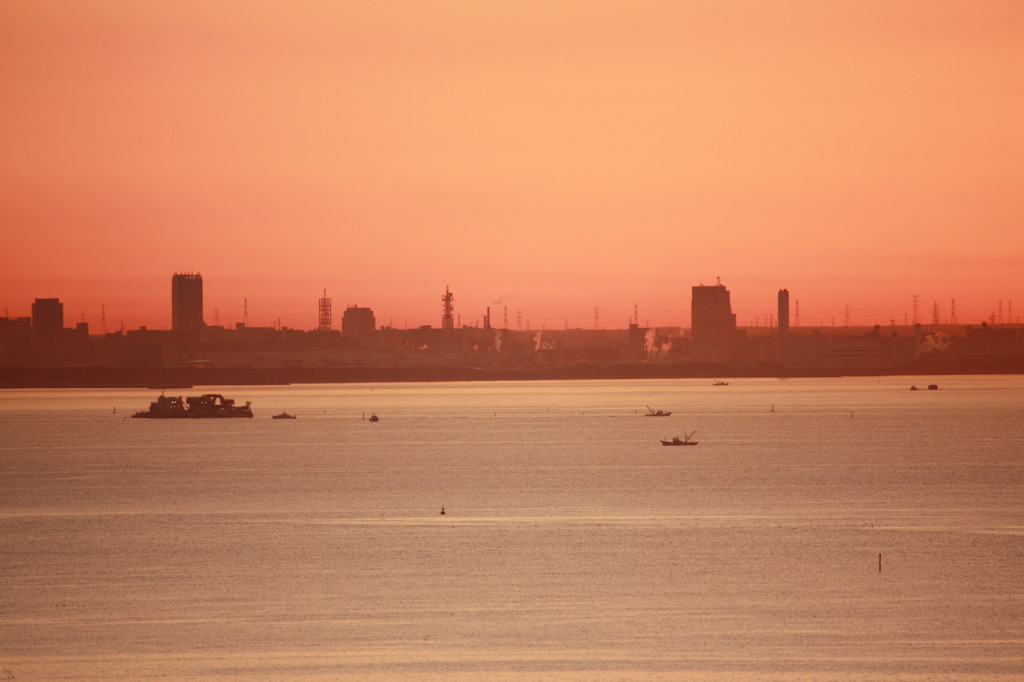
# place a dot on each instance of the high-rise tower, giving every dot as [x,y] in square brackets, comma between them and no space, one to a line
[783,323]
[783,313]
[187,303]
[711,313]
[47,318]
[358,323]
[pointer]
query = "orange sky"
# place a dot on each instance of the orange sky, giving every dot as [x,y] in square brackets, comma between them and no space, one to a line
[553,157]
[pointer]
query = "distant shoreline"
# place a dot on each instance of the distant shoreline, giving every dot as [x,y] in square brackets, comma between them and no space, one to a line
[187,378]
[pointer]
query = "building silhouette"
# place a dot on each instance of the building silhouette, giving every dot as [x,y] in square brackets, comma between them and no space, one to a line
[783,322]
[358,323]
[711,314]
[47,318]
[187,303]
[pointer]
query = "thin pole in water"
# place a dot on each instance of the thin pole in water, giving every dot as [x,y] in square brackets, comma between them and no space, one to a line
[879,563]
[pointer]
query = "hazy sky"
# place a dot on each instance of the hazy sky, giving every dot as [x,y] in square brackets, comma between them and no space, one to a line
[551,157]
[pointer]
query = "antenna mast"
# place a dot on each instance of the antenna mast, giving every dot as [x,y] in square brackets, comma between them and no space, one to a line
[447,308]
[325,312]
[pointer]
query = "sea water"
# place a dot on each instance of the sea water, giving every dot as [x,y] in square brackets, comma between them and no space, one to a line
[822,529]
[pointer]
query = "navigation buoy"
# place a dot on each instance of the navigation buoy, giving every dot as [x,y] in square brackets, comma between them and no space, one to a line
[443,512]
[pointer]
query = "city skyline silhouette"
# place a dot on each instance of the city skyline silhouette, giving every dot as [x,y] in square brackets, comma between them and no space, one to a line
[195,314]
[43,351]
[556,158]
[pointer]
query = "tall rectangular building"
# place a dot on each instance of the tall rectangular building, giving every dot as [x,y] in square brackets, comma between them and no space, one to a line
[47,317]
[187,303]
[783,313]
[783,341]
[711,314]
[358,323]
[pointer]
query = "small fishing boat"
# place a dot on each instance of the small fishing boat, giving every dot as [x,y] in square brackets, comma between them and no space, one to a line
[676,440]
[284,415]
[656,413]
[373,417]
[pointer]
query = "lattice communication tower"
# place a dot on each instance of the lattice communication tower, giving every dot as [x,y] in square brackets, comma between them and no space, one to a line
[325,312]
[448,310]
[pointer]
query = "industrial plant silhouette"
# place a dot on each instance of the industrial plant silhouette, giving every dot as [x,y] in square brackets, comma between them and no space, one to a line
[40,351]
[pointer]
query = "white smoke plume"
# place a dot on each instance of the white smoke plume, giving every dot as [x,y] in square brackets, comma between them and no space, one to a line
[933,342]
[650,341]
[652,347]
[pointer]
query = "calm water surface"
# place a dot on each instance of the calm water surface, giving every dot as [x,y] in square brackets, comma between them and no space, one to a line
[574,547]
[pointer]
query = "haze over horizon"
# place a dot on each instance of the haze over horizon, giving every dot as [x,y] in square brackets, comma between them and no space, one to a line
[551,157]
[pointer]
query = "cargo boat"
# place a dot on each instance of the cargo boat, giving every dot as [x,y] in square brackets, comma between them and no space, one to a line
[206,406]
